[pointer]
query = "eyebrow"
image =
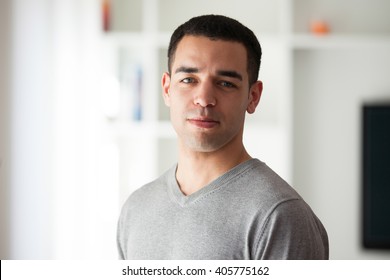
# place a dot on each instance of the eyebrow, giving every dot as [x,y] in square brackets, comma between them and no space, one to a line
[226,73]
[231,74]
[184,69]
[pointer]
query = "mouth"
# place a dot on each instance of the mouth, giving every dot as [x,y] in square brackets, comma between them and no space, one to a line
[202,122]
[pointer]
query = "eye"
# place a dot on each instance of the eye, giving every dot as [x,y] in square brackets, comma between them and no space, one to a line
[187,80]
[227,84]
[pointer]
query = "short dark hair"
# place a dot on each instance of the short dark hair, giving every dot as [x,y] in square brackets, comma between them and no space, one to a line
[217,27]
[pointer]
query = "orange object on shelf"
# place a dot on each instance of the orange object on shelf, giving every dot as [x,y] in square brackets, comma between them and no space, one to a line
[319,27]
[106,14]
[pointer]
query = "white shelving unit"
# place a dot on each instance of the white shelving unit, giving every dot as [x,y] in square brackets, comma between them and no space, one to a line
[301,71]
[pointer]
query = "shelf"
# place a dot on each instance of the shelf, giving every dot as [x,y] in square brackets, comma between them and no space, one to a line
[136,39]
[338,41]
[343,17]
[142,130]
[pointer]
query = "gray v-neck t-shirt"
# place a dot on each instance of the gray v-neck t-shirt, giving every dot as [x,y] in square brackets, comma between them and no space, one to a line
[247,213]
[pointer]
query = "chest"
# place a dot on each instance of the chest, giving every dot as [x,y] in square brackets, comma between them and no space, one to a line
[189,233]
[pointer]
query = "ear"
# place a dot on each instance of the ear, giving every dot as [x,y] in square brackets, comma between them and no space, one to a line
[254,96]
[166,83]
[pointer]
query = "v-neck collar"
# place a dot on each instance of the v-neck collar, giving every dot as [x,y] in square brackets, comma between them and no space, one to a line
[185,200]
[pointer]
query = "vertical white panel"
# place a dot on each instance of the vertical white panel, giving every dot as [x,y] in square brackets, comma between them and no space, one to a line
[31,146]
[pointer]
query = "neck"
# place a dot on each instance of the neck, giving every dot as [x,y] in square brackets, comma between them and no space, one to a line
[197,169]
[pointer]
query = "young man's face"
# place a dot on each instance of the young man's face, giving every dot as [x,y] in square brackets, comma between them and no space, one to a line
[208,93]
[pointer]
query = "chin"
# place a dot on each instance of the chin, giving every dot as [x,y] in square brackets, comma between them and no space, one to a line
[204,146]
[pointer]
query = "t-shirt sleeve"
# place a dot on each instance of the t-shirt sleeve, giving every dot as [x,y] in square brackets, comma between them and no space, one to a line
[291,231]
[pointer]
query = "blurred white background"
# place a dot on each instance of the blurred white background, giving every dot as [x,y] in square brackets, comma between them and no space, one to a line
[72,149]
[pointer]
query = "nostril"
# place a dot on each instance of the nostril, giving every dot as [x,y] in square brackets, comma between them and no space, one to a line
[205,101]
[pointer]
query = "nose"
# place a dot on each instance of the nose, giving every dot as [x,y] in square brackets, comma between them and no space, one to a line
[205,95]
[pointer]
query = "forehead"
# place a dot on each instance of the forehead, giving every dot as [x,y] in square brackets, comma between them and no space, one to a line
[201,51]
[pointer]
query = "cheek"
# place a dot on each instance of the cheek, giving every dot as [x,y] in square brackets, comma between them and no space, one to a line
[236,106]
[178,102]
[177,110]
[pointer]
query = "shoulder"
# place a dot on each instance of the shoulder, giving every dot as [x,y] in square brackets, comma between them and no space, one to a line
[148,194]
[292,231]
[284,225]
[138,204]
[260,185]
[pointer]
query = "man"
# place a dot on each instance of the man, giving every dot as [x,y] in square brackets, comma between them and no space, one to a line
[217,202]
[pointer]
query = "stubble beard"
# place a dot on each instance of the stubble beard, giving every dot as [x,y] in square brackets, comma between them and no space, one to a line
[204,140]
